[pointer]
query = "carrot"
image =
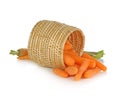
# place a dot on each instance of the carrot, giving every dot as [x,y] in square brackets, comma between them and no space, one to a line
[92,64]
[98,64]
[71,52]
[78,59]
[60,72]
[26,57]
[19,52]
[71,70]
[82,69]
[68,60]
[91,72]
[68,45]
[79,66]
[76,65]
[22,52]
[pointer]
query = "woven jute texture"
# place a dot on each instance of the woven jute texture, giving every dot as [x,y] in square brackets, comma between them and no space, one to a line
[47,39]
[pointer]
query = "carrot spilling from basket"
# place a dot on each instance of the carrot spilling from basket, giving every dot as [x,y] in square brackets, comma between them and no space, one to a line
[85,66]
[78,67]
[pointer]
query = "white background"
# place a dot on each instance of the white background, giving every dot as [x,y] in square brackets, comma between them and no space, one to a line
[98,19]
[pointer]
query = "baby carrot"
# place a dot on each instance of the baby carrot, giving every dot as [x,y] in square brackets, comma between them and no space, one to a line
[68,43]
[98,64]
[91,72]
[78,59]
[76,65]
[92,64]
[60,72]
[82,69]
[68,60]
[67,47]
[26,57]
[71,70]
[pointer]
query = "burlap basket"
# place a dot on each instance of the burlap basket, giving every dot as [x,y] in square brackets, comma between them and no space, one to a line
[47,39]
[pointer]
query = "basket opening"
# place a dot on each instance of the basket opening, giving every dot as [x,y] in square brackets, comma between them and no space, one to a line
[76,38]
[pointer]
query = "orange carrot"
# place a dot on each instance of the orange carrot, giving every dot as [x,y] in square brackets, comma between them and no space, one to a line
[78,59]
[60,72]
[76,65]
[71,52]
[91,72]
[71,70]
[68,45]
[22,52]
[82,69]
[26,57]
[68,60]
[19,52]
[92,64]
[98,64]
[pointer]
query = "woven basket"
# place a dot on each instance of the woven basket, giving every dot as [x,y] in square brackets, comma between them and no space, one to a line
[47,39]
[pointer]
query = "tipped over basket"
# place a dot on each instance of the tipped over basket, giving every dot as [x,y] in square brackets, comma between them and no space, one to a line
[47,40]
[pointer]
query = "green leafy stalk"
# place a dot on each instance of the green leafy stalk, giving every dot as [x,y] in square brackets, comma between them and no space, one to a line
[14,52]
[97,55]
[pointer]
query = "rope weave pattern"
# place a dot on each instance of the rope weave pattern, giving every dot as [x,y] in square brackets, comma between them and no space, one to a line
[47,39]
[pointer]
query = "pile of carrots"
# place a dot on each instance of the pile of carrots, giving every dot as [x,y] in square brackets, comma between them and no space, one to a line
[76,66]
